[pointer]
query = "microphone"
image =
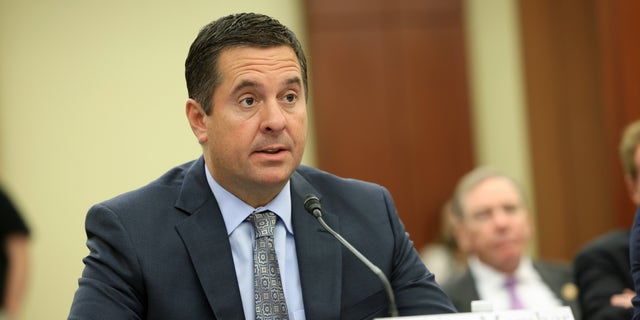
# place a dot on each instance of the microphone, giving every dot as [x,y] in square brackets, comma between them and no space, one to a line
[312,205]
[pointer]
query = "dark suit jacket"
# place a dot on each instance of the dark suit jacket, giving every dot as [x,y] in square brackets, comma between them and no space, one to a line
[634,258]
[162,252]
[601,269]
[462,288]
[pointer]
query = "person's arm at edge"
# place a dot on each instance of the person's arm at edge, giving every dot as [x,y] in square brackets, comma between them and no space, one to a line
[634,254]
[17,248]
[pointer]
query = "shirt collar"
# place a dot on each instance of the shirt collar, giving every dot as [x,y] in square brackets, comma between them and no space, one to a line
[235,211]
[490,275]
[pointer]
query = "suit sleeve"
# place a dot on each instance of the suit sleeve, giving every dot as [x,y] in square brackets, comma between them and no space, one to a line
[111,284]
[634,255]
[598,279]
[415,288]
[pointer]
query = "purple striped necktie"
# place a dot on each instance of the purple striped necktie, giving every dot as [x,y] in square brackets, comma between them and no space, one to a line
[514,300]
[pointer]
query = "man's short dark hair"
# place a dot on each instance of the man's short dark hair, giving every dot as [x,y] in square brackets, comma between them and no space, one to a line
[236,30]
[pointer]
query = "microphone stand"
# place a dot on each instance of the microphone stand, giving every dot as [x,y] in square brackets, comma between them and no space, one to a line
[312,204]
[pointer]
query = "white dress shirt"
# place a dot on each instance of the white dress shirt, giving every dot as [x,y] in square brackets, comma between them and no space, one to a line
[242,237]
[531,290]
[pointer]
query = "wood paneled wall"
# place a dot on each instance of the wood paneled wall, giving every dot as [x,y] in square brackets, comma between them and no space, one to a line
[582,67]
[391,99]
[390,93]
[618,25]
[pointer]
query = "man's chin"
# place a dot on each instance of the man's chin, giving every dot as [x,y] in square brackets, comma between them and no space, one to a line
[274,177]
[504,263]
[510,263]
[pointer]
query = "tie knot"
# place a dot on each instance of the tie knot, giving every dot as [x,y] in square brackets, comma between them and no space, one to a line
[263,223]
[511,282]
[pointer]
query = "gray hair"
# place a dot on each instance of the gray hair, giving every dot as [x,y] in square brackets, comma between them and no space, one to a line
[628,145]
[474,178]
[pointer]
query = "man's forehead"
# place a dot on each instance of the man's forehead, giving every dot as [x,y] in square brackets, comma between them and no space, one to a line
[493,184]
[239,55]
[491,190]
[248,64]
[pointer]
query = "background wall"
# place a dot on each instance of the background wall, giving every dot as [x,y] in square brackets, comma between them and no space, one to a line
[92,104]
[496,81]
[401,75]
[498,106]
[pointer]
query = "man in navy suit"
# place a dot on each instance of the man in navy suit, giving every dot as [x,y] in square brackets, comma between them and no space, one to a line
[181,248]
[602,267]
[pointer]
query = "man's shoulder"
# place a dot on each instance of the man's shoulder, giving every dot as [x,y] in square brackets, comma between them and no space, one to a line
[551,265]
[610,249]
[554,273]
[339,192]
[461,289]
[607,241]
[318,177]
[458,281]
[163,188]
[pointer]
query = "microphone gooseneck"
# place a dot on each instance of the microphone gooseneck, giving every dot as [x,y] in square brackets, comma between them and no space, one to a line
[312,205]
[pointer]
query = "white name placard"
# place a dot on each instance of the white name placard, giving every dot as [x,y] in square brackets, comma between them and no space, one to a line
[559,313]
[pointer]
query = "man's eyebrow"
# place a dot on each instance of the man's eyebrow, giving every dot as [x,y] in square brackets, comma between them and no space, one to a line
[245,84]
[253,84]
[294,80]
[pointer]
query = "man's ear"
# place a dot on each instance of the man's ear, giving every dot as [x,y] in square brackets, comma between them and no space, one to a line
[633,189]
[197,119]
[461,237]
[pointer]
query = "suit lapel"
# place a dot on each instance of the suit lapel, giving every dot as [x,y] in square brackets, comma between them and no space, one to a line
[319,255]
[552,281]
[205,237]
[467,292]
[563,289]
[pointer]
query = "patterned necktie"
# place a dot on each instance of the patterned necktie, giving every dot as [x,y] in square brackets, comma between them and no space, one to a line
[514,301]
[269,296]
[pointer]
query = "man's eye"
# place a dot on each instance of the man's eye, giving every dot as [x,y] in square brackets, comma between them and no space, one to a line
[291,98]
[248,102]
[482,215]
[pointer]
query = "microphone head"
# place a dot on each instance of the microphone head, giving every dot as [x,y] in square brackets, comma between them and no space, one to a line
[312,205]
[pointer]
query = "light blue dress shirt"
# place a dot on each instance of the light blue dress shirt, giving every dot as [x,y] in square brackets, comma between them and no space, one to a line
[242,237]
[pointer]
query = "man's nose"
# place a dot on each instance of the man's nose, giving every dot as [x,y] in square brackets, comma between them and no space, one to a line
[273,117]
[501,218]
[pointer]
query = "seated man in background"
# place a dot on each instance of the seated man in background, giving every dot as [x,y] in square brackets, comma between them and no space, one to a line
[494,227]
[602,270]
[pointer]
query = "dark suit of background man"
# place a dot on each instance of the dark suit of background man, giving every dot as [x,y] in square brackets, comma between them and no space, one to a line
[494,227]
[177,248]
[602,268]
[631,163]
